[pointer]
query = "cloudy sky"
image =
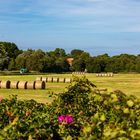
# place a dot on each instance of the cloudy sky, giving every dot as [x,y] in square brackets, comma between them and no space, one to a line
[96,26]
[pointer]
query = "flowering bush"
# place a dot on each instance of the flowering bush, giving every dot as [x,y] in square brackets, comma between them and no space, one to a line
[61,118]
[92,116]
[68,119]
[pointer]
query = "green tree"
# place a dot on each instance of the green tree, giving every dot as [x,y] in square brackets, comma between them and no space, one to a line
[12,64]
[48,63]
[78,65]
[93,65]
[61,65]
[76,53]
[138,63]
[58,52]
[8,52]
[35,61]
[4,59]
[11,49]
[21,59]
[102,61]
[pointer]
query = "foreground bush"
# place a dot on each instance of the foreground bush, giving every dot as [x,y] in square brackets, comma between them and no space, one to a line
[79,113]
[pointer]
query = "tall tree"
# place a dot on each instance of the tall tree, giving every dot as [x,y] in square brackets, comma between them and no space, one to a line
[4,59]
[76,53]
[11,49]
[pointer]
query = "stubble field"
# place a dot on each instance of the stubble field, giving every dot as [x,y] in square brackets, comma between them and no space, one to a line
[127,83]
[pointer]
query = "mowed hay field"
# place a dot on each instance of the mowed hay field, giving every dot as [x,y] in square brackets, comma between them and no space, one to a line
[127,83]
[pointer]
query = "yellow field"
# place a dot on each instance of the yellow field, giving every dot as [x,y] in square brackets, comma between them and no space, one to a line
[128,83]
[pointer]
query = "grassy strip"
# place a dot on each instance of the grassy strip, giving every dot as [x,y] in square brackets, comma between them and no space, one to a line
[128,83]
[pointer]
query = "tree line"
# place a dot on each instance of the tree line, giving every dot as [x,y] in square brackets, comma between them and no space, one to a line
[12,58]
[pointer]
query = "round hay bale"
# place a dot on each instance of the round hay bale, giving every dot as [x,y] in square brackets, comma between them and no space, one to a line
[67,80]
[5,84]
[14,84]
[22,85]
[50,79]
[55,79]
[97,74]
[39,79]
[40,85]
[31,85]
[111,74]
[44,79]
[61,80]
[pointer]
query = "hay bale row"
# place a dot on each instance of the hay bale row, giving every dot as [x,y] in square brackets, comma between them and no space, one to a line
[104,75]
[54,79]
[23,84]
[79,73]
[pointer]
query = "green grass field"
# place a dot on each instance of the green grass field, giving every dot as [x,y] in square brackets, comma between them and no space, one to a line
[127,83]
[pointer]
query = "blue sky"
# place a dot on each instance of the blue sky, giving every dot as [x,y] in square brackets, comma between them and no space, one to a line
[96,26]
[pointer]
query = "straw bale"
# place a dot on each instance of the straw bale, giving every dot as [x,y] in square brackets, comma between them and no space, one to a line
[55,79]
[14,84]
[44,79]
[5,84]
[110,74]
[31,84]
[67,80]
[61,80]
[97,74]
[40,85]
[39,79]
[22,85]
[50,79]
[102,74]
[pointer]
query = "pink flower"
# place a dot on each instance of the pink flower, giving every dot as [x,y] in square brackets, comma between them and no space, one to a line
[61,118]
[69,119]
[1,98]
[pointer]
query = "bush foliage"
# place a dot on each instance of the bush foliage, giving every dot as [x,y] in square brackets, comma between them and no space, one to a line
[79,113]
